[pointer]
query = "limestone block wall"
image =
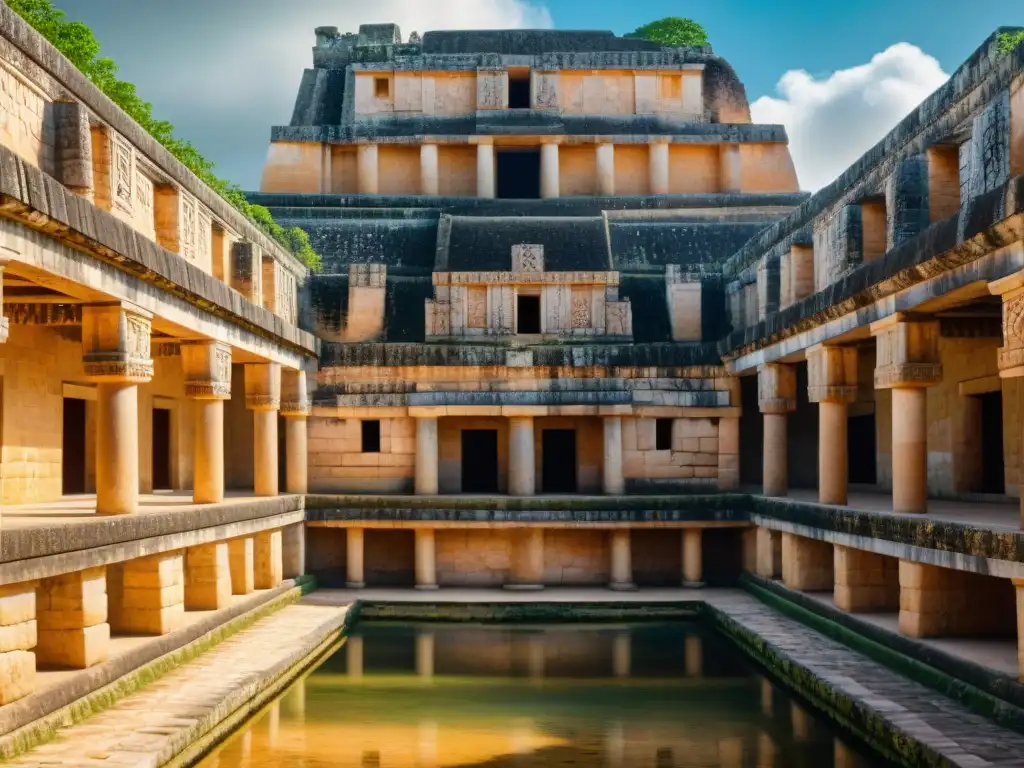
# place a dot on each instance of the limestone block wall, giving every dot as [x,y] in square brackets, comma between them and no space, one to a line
[473,558]
[767,168]
[338,464]
[456,171]
[577,558]
[294,166]
[24,128]
[702,451]
[694,169]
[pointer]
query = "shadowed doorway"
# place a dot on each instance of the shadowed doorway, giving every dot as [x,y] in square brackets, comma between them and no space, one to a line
[161,449]
[558,457]
[518,174]
[73,446]
[479,461]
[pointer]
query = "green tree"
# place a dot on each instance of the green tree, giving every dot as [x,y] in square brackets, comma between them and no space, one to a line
[78,43]
[1007,41]
[672,31]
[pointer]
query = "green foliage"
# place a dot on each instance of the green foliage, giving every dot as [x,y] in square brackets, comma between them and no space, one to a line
[78,43]
[1007,41]
[672,31]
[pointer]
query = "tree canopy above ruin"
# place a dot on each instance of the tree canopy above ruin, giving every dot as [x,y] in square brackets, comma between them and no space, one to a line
[674,31]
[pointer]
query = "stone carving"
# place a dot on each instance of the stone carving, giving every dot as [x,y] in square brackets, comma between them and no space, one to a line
[476,312]
[490,89]
[776,388]
[143,191]
[832,374]
[116,343]
[546,94]
[367,275]
[44,314]
[1013,322]
[294,395]
[907,353]
[263,386]
[438,318]
[188,227]
[527,258]
[123,174]
[502,313]
[207,368]
[580,311]
[203,244]
[618,318]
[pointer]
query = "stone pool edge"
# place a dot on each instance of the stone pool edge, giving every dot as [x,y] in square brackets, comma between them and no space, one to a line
[129,675]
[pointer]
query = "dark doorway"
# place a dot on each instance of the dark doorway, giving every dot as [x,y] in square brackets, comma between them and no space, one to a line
[860,447]
[479,461]
[161,449]
[519,89]
[519,174]
[528,314]
[992,471]
[282,453]
[558,457]
[73,446]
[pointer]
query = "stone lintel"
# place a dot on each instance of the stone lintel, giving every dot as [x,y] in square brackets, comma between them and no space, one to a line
[41,313]
[263,386]
[295,401]
[832,374]
[907,352]
[776,388]
[116,342]
[207,369]
[525,278]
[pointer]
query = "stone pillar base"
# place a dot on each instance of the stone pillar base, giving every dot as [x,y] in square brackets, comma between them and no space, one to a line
[150,598]
[355,584]
[74,648]
[769,553]
[523,587]
[293,544]
[17,675]
[18,634]
[241,554]
[71,611]
[865,581]
[936,601]
[268,571]
[807,564]
[207,577]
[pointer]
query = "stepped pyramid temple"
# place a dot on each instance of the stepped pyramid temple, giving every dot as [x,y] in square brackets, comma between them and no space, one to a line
[576,327]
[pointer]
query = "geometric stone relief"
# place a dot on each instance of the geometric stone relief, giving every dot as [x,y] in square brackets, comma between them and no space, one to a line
[581,309]
[527,258]
[188,226]
[476,313]
[123,174]
[207,369]
[116,343]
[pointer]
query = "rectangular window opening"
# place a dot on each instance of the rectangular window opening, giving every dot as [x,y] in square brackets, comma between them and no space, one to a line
[875,229]
[671,87]
[528,314]
[371,436]
[519,89]
[663,434]
[943,181]
[382,87]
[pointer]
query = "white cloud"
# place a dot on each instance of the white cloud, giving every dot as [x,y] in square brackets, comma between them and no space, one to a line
[832,121]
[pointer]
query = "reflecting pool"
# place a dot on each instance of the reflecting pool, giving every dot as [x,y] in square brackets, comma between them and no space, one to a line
[663,695]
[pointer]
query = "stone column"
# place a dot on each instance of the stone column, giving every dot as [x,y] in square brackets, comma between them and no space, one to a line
[263,398]
[612,482]
[428,170]
[694,656]
[116,355]
[659,169]
[907,361]
[605,169]
[522,476]
[207,577]
[354,656]
[71,615]
[242,555]
[293,544]
[147,595]
[426,559]
[776,396]
[354,575]
[207,370]
[426,456]
[693,557]
[622,561]
[268,565]
[549,171]
[18,631]
[832,383]
[769,553]
[527,571]
[366,159]
[807,564]
[295,407]
[485,186]
[730,170]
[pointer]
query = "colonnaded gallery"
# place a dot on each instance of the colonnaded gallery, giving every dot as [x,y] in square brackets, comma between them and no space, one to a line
[576,327]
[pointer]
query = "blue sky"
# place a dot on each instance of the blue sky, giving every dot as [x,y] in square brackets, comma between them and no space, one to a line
[224,71]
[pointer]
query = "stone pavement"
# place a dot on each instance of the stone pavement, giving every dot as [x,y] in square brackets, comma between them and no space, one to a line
[152,726]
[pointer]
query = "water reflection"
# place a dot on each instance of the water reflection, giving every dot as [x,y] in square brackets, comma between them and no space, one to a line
[434,696]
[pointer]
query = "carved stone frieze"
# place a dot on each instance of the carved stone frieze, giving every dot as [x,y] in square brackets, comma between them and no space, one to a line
[618,318]
[580,311]
[776,388]
[207,369]
[294,395]
[832,374]
[263,386]
[116,342]
[907,353]
[29,313]
[476,307]
[527,258]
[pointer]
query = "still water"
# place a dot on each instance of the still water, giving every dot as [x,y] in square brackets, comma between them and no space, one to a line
[669,695]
